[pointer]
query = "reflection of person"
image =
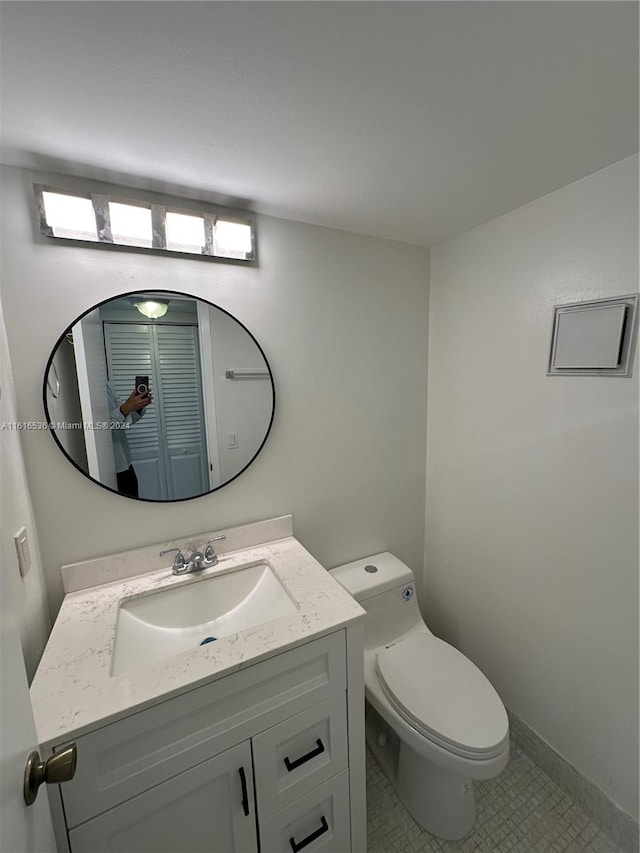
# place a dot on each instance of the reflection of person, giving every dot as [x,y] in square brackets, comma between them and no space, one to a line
[122,416]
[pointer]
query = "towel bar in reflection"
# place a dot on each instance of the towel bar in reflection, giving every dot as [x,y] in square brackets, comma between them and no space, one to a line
[246,374]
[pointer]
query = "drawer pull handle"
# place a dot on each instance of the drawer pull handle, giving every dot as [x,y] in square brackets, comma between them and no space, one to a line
[295,846]
[291,765]
[245,793]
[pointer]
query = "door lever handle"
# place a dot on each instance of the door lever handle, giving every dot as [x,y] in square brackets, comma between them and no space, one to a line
[60,767]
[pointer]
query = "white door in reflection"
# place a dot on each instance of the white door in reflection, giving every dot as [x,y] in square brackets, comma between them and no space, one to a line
[88,347]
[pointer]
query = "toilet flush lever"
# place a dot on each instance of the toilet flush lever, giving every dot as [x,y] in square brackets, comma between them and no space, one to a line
[60,767]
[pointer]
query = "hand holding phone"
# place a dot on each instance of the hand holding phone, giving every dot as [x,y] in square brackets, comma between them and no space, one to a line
[139,398]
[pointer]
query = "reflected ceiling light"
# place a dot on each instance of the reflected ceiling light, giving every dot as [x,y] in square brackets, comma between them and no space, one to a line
[151,308]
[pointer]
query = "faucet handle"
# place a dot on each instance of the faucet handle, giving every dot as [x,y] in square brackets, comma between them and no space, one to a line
[179,561]
[209,552]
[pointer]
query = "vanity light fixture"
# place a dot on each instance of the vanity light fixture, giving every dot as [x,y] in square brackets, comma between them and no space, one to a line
[151,308]
[69,216]
[185,232]
[130,224]
[231,239]
[142,224]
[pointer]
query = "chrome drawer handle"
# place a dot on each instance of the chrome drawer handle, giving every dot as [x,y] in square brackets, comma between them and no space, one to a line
[291,765]
[295,846]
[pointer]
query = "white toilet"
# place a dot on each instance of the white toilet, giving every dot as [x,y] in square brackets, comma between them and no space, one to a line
[434,722]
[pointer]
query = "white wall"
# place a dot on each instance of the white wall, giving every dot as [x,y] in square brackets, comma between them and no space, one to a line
[243,406]
[343,322]
[27,594]
[532,481]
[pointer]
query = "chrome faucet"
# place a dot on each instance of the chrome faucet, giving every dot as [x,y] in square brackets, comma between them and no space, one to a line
[179,562]
[196,561]
[210,556]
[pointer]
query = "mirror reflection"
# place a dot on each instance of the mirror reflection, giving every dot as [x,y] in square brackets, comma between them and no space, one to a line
[159,396]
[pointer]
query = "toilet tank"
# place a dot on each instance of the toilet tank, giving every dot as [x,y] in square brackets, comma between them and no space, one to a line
[385,587]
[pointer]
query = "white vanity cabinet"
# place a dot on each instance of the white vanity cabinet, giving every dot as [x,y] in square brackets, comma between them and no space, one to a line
[269,758]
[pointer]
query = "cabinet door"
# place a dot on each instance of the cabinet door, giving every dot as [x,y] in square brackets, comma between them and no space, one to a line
[208,809]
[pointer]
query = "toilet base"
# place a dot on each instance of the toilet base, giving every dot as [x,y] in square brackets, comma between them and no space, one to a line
[441,802]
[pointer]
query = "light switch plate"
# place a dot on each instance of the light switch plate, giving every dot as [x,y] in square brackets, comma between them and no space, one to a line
[22,549]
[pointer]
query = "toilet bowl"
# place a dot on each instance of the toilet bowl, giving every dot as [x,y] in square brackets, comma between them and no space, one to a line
[434,721]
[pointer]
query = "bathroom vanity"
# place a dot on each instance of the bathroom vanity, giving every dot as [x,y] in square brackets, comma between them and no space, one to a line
[250,741]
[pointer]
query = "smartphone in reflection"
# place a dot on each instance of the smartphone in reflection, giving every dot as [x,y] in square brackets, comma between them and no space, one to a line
[142,385]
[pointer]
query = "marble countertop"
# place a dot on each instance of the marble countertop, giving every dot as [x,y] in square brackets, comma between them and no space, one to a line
[74,692]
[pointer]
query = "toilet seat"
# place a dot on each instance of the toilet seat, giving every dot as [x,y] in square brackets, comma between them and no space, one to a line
[443,695]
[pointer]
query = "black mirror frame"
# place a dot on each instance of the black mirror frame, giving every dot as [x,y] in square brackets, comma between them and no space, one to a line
[167,293]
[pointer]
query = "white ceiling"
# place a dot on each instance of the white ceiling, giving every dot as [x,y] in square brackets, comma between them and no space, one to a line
[408,120]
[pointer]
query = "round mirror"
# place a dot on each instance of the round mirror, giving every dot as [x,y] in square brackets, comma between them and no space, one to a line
[159,396]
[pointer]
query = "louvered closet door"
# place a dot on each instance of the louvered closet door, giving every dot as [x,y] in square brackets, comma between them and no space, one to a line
[182,415]
[130,353]
[167,444]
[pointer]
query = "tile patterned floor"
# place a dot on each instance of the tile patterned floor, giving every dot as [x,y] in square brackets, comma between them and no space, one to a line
[520,811]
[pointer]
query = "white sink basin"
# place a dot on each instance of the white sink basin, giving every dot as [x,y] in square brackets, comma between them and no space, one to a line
[164,623]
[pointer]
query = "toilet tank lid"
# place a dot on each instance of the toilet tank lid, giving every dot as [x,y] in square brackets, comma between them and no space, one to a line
[362,581]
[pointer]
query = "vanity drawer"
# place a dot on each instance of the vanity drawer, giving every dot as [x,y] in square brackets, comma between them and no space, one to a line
[123,759]
[318,821]
[295,756]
